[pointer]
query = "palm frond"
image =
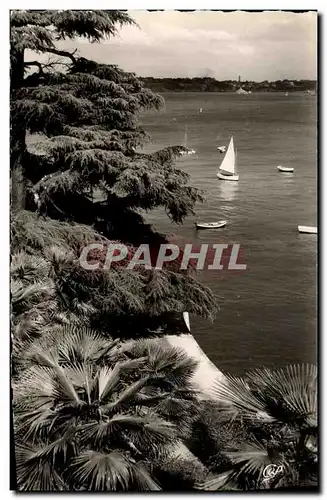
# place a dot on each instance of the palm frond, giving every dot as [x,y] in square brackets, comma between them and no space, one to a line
[103,471]
[129,393]
[237,399]
[28,269]
[143,480]
[170,363]
[215,483]
[141,430]
[35,474]
[294,387]
[108,379]
[253,457]
[55,450]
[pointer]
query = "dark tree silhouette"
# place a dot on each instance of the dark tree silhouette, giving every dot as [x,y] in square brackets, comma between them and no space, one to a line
[76,158]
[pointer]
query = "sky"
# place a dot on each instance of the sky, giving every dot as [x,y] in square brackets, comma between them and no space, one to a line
[256,45]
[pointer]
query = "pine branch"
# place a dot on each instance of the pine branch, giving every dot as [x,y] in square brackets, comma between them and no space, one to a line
[85,167]
[63,53]
[35,63]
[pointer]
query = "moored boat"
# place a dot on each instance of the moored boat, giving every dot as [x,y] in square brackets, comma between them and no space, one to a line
[187,150]
[285,169]
[226,170]
[308,229]
[211,225]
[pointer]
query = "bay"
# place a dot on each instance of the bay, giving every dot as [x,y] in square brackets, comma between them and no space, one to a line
[267,314]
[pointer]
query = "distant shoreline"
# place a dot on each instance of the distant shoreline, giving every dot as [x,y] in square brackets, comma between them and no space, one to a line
[211,85]
[228,91]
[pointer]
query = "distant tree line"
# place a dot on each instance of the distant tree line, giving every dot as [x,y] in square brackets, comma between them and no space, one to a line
[208,84]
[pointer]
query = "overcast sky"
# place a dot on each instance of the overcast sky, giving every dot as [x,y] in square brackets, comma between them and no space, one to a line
[255,45]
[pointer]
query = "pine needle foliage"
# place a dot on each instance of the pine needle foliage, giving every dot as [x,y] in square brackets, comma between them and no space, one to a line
[50,287]
[80,175]
[89,113]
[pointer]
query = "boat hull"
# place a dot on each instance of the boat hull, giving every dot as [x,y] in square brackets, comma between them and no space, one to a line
[212,225]
[224,177]
[307,229]
[286,169]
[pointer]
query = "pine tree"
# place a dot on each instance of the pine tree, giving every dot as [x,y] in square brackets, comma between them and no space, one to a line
[87,166]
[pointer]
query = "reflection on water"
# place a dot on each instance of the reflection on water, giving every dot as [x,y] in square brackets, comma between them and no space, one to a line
[228,190]
[288,178]
[227,208]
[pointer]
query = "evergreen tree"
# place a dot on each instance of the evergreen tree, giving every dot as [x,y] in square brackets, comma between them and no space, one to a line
[87,166]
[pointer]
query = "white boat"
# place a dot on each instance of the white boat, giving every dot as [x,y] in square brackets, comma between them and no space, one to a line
[186,317]
[285,169]
[241,91]
[211,225]
[307,229]
[222,149]
[226,170]
[188,151]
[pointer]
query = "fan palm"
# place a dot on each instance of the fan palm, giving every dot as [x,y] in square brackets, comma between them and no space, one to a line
[32,298]
[86,415]
[278,409]
[36,303]
[171,371]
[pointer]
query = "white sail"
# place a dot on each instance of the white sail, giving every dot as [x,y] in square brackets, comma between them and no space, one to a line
[187,320]
[228,164]
[241,91]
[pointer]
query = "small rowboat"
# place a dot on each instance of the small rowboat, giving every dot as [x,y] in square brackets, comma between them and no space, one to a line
[307,229]
[285,169]
[211,225]
[222,149]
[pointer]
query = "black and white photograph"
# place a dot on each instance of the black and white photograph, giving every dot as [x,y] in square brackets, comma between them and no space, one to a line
[163,250]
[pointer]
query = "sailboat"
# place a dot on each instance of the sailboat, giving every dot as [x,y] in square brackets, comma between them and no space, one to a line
[226,170]
[187,151]
[242,91]
[186,318]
